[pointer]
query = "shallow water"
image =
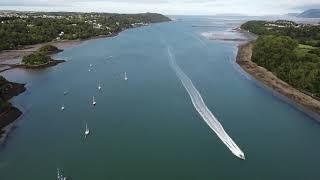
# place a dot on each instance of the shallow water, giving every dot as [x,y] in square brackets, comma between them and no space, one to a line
[147,127]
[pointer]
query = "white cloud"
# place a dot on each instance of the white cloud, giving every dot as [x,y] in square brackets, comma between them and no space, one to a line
[251,7]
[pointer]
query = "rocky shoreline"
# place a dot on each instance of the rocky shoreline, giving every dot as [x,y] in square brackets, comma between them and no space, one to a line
[10,113]
[270,80]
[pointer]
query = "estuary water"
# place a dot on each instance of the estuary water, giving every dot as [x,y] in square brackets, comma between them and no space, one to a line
[148,127]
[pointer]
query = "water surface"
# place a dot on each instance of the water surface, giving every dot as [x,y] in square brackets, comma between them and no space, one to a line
[147,127]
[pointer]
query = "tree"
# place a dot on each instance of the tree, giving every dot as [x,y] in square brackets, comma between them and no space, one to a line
[36,58]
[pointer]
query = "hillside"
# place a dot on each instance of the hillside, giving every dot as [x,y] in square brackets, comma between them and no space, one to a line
[311,13]
[18,29]
[292,14]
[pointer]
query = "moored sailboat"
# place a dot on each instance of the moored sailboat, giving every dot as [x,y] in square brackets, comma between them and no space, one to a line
[62,108]
[125,76]
[87,131]
[93,101]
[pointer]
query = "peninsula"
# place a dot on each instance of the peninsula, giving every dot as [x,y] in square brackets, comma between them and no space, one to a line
[285,57]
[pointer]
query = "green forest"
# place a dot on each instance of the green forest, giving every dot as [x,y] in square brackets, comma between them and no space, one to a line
[32,28]
[37,58]
[289,54]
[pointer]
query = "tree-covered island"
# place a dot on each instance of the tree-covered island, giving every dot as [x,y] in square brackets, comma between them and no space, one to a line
[41,57]
[35,59]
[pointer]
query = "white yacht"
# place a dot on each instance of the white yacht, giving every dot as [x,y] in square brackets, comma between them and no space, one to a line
[99,87]
[62,108]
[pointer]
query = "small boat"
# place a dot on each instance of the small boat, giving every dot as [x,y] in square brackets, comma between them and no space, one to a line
[125,76]
[65,92]
[62,108]
[89,70]
[99,87]
[93,101]
[87,131]
[241,156]
[90,65]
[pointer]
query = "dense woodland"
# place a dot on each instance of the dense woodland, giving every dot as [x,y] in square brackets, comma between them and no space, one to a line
[290,51]
[19,29]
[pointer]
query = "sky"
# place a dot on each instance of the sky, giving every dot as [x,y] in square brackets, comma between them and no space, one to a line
[168,7]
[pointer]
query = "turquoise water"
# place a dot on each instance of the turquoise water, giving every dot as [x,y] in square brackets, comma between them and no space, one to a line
[147,127]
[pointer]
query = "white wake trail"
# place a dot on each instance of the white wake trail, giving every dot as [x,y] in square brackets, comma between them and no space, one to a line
[202,108]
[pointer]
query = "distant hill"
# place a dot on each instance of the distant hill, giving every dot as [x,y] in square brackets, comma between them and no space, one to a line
[292,14]
[230,14]
[311,13]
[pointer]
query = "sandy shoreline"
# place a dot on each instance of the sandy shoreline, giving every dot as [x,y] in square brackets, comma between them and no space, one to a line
[266,77]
